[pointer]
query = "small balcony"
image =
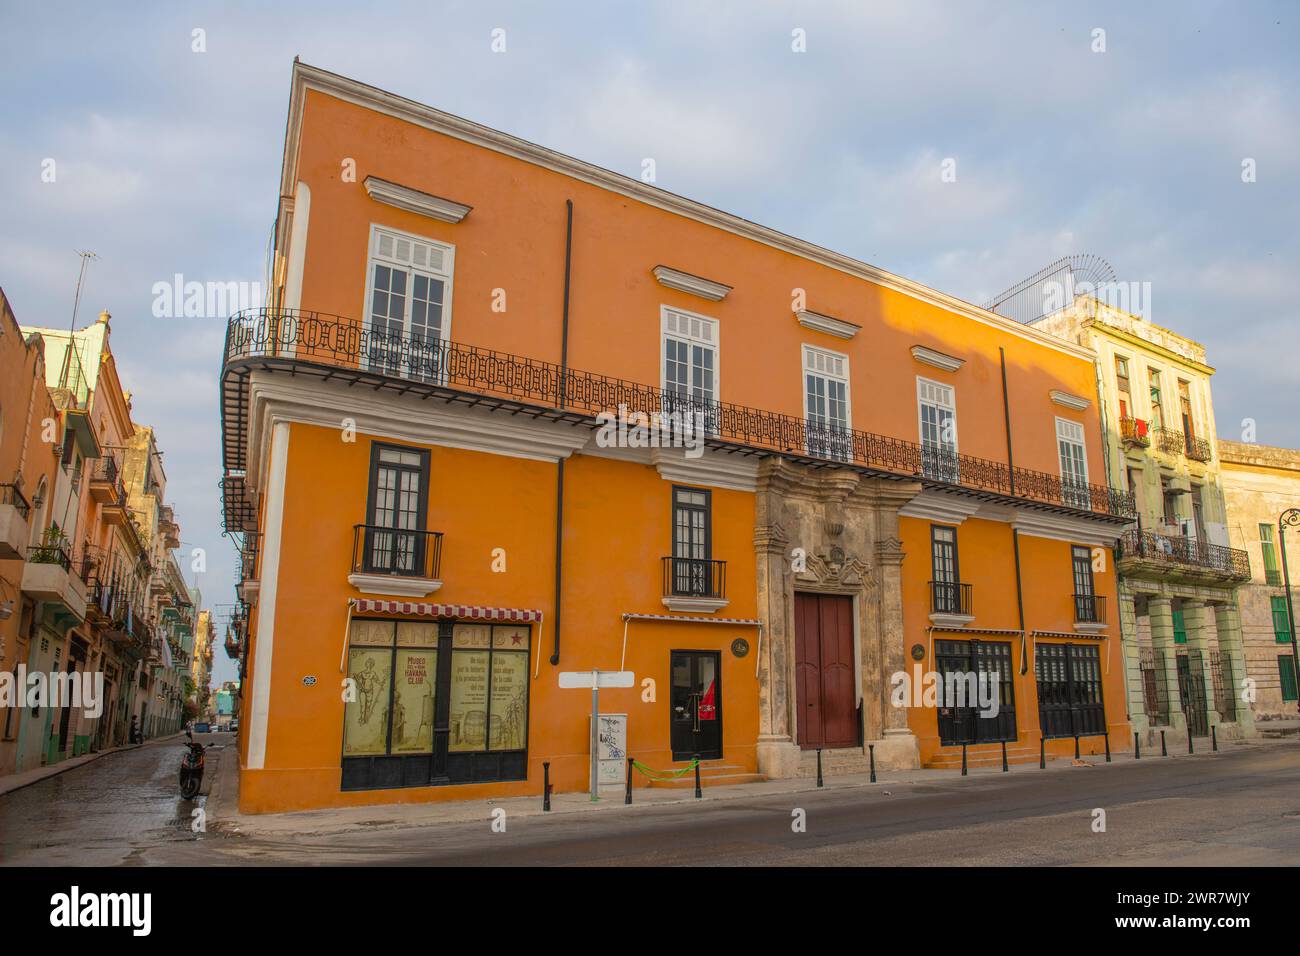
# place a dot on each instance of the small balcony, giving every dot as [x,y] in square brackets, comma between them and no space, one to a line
[1169,441]
[1198,449]
[694,584]
[1161,553]
[951,603]
[14,514]
[48,576]
[1135,432]
[1090,612]
[106,482]
[1273,577]
[395,561]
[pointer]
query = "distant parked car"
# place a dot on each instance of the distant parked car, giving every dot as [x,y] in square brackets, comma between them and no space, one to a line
[202,727]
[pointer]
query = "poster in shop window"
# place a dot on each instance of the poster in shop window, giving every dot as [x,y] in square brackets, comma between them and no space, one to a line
[413,701]
[365,721]
[509,701]
[469,677]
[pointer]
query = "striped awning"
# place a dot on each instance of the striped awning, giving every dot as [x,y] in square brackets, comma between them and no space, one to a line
[469,612]
[693,618]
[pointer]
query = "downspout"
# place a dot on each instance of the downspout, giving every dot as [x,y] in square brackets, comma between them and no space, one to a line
[559,468]
[1015,535]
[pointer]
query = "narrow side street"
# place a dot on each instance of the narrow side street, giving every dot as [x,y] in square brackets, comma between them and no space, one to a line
[1240,807]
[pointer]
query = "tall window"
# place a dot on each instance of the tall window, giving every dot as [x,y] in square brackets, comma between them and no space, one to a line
[1157,402]
[1180,626]
[1272,574]
[1074,464]
[826,403]
[1123,386]
[938,413]
[945,585]
[1286,672]
[692,544]
[691,366]
[408,310]
[1185,410]
[399,481]
[1085,592]
[1281,622]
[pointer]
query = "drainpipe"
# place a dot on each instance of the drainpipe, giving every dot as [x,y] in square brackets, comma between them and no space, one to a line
[559,469]
[1015,535]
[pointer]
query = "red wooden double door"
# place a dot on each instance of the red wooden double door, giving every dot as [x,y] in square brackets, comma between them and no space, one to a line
[825,689]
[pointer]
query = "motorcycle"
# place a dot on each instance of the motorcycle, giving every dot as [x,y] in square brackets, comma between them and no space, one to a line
[191,767]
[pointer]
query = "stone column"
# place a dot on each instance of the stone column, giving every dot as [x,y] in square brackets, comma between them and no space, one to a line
[1161,610]
[1196,620]
[1232,649]
[1138,717]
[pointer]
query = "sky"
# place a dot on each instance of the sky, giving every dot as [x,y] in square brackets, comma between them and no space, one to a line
[165,122]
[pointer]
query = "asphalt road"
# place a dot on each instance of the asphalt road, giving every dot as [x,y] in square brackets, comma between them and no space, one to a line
[1240,807]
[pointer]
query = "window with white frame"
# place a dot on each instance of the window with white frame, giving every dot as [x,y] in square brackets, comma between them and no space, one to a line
[690,368]
[408,303]
[937,408]
[1074,464]
[826,403]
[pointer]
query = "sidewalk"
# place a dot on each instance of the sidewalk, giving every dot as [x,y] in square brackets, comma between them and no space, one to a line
[224,815]
[28,777]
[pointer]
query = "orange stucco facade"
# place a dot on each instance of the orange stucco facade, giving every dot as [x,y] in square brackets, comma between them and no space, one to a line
[780,518]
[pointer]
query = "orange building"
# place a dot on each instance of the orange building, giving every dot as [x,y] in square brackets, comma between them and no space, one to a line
[509,415]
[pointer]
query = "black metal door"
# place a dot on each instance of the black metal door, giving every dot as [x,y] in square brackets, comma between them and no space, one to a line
[990,662]
[1191,690]
[1069,690]
[695,705]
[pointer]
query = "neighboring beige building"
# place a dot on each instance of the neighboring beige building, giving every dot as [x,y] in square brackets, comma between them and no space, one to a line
[1260,483]
[1179,620]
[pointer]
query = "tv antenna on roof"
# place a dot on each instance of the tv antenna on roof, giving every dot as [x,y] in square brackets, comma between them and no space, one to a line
[86,256]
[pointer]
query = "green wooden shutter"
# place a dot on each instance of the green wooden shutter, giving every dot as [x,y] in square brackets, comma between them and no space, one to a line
[1180,628]
[1286,671]
[1281,623]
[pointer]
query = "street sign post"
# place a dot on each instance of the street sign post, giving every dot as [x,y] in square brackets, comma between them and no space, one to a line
[595,679]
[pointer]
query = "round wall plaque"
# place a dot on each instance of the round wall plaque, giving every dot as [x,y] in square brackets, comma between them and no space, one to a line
[918,652]
[308,681]
[740,647]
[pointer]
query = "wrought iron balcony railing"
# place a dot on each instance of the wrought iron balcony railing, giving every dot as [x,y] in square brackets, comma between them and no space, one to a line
[1273,577]
[50,554]
[1179,550]
[396,551]
[1198,449]
[694,577]
[1090,609]
[1134,431]
[951,597]
[10,495]
[1170,441]
[267,337]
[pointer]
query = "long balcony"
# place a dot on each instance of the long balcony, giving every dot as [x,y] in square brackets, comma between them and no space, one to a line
[951,603]
[338,348]
[1175,552]
[14,514]
[694,584]
[395,561]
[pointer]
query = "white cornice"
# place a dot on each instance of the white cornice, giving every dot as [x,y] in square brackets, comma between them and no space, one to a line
[712,468]
[949,363]
[1077,402]
[368,97]
[695,285]
[277,397]
[1042,524]
[388,585]
[827,323]
[413,200]
[939,506]
[696,605]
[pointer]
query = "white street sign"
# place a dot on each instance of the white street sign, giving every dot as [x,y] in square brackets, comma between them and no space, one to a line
[575,679]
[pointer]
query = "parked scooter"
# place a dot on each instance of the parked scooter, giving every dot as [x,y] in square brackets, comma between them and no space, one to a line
[191,767]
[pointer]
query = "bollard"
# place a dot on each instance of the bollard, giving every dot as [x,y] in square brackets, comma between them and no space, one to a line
[627,797]
[698,792]
[1005,768]
[546,787]
[963,760]
[1190,748]
[1214,738]
[1163,750]
[1137,746]
[871,752]
[1107,747]
[1076,746]
[819,767]
[1042,753]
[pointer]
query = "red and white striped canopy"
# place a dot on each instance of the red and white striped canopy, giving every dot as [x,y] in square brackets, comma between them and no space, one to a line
[472,612]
